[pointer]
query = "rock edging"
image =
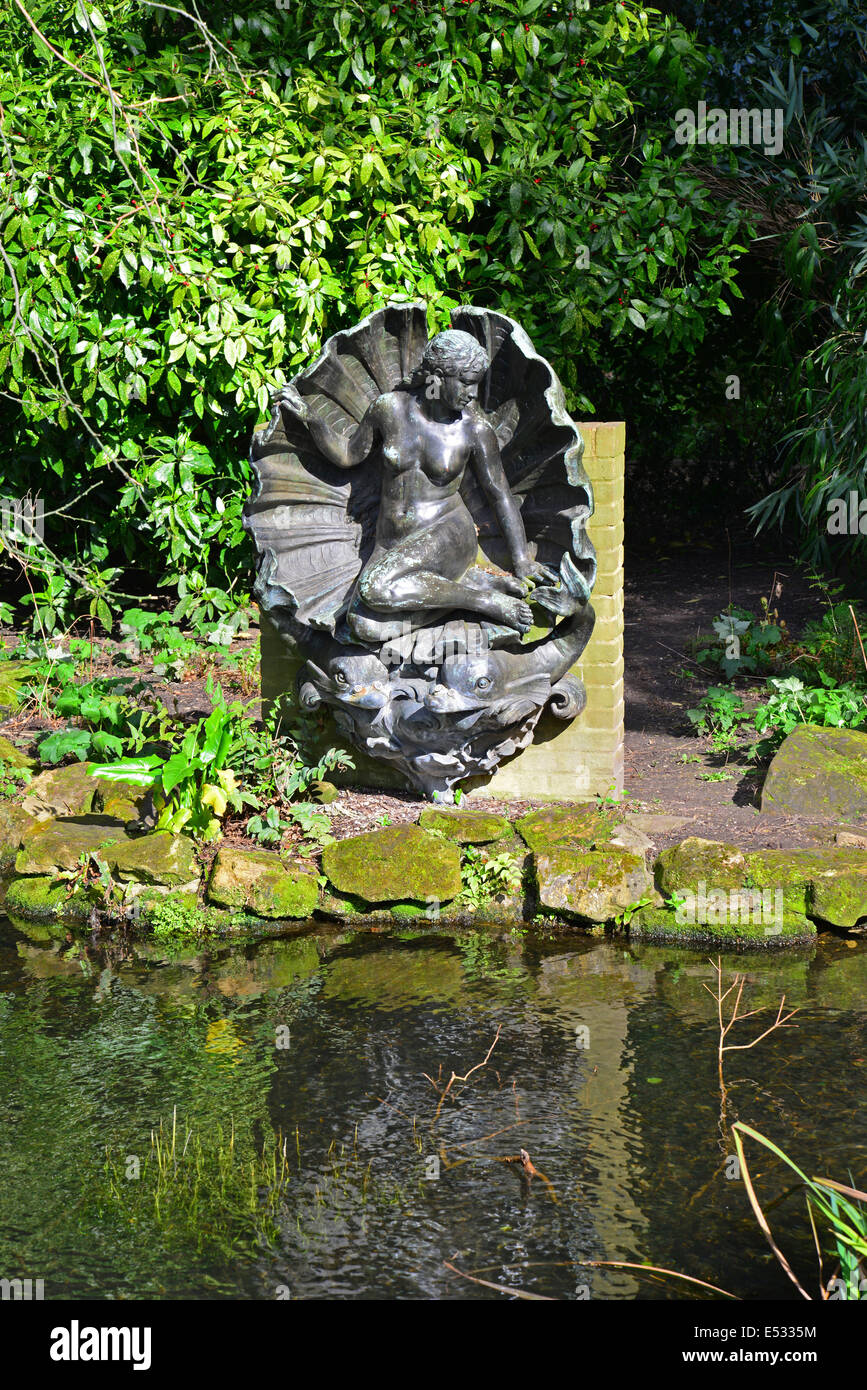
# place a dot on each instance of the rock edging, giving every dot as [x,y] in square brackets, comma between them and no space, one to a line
[580,867]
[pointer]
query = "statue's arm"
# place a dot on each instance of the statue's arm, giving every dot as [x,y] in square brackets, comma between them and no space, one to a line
[344,450]
[492,478]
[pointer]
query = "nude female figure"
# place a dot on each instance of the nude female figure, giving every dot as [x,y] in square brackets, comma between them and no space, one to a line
[426,540]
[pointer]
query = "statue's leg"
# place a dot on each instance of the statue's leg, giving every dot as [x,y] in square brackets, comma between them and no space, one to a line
[399,580]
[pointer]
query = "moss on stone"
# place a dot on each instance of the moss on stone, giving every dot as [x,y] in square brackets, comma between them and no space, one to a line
[14,822]
[408,910]
[561,827]
[345,907]
[56,846]
[661,924]
[14,675]
[324,793]
[158,858]
[696,861]
[43,898]
[594,885]
[71,791]
[261,883]
[818,772]
[779,887]
[12,756]
[838,890]
[394,864]
[464,827]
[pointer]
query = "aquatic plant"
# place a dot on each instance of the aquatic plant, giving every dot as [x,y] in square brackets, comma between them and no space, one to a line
[202,1188]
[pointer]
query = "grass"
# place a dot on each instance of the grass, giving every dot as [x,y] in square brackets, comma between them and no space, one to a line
[202,1189]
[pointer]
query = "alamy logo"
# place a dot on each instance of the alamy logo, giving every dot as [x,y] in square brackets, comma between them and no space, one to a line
[26,1290]
[22,519]
[76,1343]
[716,907]
[736,127]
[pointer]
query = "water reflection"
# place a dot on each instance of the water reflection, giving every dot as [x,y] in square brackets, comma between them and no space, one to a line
[604,1070]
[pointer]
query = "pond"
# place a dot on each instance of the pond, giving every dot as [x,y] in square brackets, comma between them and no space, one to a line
[266,1119]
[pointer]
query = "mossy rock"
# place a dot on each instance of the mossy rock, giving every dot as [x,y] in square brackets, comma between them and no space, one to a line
[661,924]
[323,792]
[54,846]
[408,911]
[563,827]
[14,675]
[14,822]
[343,907]
[395,864]
[696,861]
[261,883]
[47,899]
[13,756]
[159,858]
[838,886]
[818,772]
[71,791]
[593,885]
[465,827]
[773,889]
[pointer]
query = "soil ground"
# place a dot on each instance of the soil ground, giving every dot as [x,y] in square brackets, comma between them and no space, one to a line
[671,594]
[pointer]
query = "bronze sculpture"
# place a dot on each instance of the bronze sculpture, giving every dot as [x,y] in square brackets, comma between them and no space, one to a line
[420,651]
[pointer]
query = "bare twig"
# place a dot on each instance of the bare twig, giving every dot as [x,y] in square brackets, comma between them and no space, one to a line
[736,1016]
[858,635]
[454,1076]
[500,1288]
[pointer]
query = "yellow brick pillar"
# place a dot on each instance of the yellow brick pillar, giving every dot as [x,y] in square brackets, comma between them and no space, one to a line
[576,761]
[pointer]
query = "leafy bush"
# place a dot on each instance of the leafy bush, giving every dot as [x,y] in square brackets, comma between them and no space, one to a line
[723,716]
[744,643]
[116,724]
[485,876]
[791,702]
[192,787]
[189,208]
[720,715]
[804,331]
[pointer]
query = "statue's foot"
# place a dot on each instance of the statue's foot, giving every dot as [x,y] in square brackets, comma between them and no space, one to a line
[500,583]
[514,612]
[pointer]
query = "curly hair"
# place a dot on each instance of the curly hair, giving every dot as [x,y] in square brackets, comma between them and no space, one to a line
[454,352]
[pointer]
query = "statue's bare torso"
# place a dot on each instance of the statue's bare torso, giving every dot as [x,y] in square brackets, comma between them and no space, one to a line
[426,540]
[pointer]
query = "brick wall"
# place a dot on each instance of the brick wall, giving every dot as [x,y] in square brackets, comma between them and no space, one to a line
[577,760]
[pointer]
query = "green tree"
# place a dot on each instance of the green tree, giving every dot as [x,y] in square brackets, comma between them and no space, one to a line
[189,208]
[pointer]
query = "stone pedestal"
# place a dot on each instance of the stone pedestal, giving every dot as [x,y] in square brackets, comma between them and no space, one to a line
[570,762]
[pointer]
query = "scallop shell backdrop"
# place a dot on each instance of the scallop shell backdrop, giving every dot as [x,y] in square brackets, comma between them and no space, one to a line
[313,524]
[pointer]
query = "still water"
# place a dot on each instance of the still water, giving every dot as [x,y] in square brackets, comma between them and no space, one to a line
[317,1046]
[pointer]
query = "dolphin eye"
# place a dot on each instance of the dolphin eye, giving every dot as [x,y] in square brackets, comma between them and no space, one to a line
[483,683]
[340,678]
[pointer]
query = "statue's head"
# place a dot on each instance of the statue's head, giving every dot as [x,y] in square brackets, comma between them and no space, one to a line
[454,363]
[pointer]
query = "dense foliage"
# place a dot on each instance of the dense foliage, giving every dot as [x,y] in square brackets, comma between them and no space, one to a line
[803,334]
[189,208]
